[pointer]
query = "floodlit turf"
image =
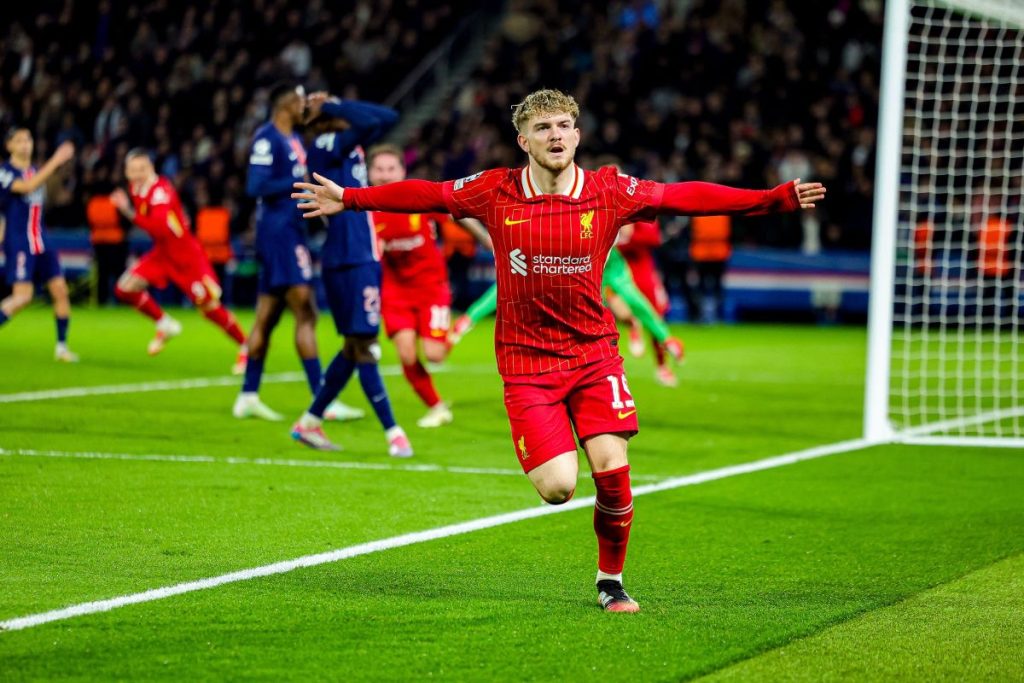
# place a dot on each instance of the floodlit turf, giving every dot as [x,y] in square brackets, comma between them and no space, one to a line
[788,573]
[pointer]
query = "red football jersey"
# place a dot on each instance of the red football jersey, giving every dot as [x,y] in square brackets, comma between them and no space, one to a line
[412,262]
[549,253]
[158,211]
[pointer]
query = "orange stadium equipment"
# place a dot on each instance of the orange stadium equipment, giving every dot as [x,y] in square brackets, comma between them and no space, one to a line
[993,244]
[457,239]
[709,238]
[214,233]
[104,221]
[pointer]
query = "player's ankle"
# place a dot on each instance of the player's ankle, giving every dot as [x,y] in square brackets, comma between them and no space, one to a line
[310,421]
[605,576]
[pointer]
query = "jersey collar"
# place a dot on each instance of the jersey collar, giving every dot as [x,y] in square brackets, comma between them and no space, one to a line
[531,190]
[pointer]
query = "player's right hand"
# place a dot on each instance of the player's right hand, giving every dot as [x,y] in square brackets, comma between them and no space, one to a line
[322,198]
[314,102]
[65,152]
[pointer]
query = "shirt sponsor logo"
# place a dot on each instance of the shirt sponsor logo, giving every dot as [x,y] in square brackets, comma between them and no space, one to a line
[544,264]
[517,259]
[405,243]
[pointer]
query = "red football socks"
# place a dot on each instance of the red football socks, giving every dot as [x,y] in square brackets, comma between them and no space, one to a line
[613,517]
[141,301]
[659,350]
[422,383]
[222,318]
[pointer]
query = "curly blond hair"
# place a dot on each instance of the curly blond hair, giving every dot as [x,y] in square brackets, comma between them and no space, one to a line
[543,102]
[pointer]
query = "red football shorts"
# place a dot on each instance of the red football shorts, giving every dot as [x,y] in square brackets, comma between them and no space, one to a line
[429,316]
[193,276]
[544,410]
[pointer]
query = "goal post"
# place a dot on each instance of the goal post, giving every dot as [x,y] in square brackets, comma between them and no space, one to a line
[946,302]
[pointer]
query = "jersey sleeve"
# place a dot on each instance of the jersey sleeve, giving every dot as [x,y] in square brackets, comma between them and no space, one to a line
[469,197]
[7,178]
[260,181]
[636,199]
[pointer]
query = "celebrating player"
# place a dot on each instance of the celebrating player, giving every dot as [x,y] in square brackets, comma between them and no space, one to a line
[351,269]
[553,225]
[415,293]
[27,259]
[176,256]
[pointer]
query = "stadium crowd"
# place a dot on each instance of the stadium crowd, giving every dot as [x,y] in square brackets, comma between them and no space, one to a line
[734,91]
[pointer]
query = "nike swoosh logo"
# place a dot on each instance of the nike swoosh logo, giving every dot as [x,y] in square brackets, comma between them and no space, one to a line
[625,523]
[509,221]
[624,415]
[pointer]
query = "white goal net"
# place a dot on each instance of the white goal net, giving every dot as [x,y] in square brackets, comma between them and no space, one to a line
[947,291]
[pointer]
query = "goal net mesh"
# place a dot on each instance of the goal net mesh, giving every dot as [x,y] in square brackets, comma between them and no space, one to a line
[956,347]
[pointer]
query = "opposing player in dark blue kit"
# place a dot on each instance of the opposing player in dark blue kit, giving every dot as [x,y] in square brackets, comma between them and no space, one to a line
[277,159]
[28,260]
[351,270]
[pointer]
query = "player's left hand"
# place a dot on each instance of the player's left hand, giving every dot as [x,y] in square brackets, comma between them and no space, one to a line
[314,102]
[322,198]
[809,193]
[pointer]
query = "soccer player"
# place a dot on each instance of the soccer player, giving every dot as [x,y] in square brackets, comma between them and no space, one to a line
[27,259]
[553,225]
[415,294]
[176,256]
[277,159]
[636,244]
[351,269]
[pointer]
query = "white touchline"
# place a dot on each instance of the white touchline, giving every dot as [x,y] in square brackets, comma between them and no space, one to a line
[273,462]
[448,531]
[202,383]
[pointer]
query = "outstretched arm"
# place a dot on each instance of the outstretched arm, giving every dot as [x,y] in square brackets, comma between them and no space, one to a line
[709,199]
[64,152]
[326,198]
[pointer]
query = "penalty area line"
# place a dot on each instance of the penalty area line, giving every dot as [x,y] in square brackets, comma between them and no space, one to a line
[404,540]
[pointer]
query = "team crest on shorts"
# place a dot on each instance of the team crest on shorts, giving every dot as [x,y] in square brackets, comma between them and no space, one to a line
[523,455]
[586,225]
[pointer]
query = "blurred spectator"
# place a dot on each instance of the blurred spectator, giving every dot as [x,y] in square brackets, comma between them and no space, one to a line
[732,91]
[186,78]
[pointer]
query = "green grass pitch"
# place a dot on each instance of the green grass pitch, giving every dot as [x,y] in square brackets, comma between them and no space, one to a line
[886,563]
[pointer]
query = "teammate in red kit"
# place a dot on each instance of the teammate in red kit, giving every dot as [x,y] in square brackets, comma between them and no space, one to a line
[636,244]
[553,225]
[176,256]
[415,297]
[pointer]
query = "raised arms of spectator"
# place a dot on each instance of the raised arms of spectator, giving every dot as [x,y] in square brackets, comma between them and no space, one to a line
[63,154]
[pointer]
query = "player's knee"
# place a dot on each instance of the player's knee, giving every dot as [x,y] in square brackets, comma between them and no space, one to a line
[435,353]
[20,300]
[363,350]
[406,355]
[558,492]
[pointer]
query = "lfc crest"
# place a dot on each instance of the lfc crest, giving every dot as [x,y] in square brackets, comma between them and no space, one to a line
[586,227]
